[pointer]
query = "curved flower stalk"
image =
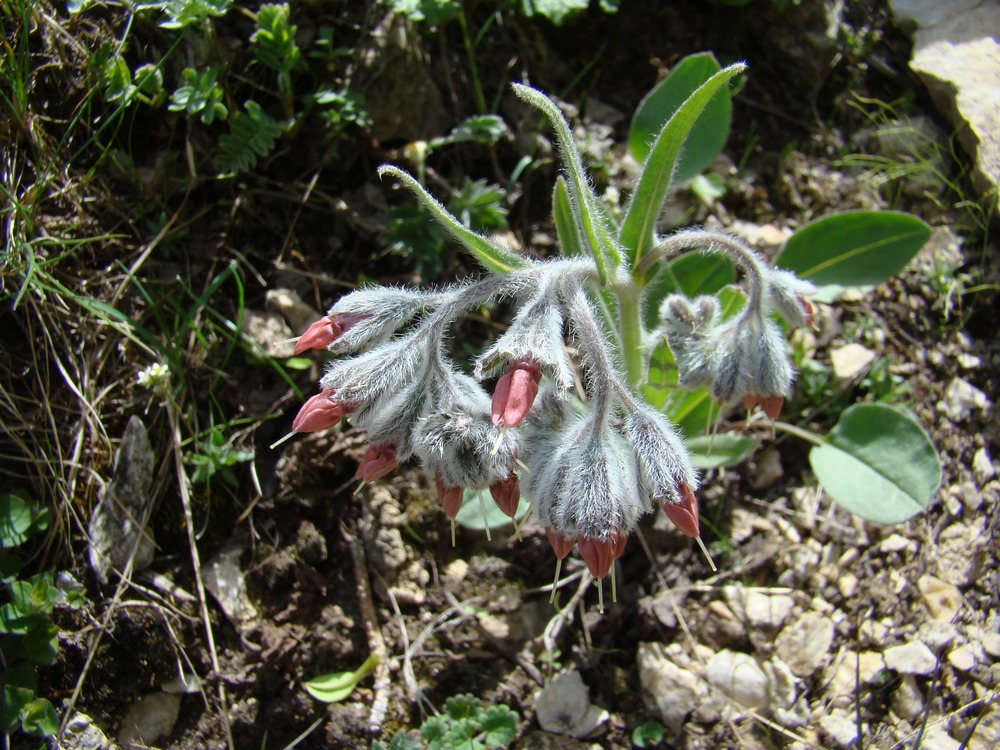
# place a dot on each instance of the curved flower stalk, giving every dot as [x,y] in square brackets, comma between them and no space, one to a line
[591,467]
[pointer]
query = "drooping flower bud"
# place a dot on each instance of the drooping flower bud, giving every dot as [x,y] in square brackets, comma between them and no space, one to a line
[600,554]
[770,404]
[789,295]
[379,460]
[319,413]
[319,335]
[515,393]
[507,495]
[684,514]
[561,545]
[450,497]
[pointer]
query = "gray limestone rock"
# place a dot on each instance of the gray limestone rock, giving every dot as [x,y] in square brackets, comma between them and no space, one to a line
[956,53]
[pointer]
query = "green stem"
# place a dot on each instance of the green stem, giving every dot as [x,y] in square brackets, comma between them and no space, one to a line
[630,312]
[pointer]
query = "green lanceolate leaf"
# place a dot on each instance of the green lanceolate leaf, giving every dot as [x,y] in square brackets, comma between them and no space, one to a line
[878,463]
[638,231]
[493,257]
[594,225]
[335,687]
[706,141]
[715,451]
[853,248]
[562,215]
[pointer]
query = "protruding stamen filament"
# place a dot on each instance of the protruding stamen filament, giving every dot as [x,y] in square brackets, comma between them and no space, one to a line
[600,595]
[555,581]
[705,552]
[499,439]
[614,586]
[452,532]
[278,442]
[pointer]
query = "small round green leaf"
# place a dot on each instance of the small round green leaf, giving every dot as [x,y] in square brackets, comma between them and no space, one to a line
[854,248]
[878,463]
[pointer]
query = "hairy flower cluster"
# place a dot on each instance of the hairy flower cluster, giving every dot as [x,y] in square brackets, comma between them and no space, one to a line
[591,464]
[742,358]
[590,469]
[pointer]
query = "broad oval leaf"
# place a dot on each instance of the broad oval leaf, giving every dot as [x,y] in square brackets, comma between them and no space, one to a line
[854,248]
[716,451]
[878,463]
[706,141]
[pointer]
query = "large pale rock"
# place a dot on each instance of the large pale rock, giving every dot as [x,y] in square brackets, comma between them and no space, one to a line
[956,53]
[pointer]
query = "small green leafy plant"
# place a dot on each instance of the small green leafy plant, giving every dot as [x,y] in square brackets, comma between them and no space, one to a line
[28,637]
[464,725]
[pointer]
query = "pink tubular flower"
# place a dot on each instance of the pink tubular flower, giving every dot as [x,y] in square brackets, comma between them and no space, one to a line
[770,404]
[561,545]
[515,392]
[319,413]
[379,460]
[320,334]
[600,555]
[450,497]
[685,513]
[507,495]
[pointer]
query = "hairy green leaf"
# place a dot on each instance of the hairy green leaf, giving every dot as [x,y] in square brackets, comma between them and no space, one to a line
[706,141]
[638,230]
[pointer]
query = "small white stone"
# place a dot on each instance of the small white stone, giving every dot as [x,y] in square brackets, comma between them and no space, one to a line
[963,658]
[847,584]
[563,707]
[982,466]
[149,719]
[990,641]
[851,362]
[907,700]
[937,635]
[961,398]
[896,543]
[841,726]
[943,599]
[669,690]
[804,644]
[847,668]
[910,658]
[739,676]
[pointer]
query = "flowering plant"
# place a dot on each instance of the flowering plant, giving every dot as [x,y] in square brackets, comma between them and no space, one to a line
[591,467]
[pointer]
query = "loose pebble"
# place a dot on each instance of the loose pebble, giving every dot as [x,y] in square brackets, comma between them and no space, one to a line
[943,600]
[907,700]
[910,658]
[563,707]
[740,677]
[961,398]
[804,644]
[850,362]
[841,726]
[963,658]
[982,466]
[670,691]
